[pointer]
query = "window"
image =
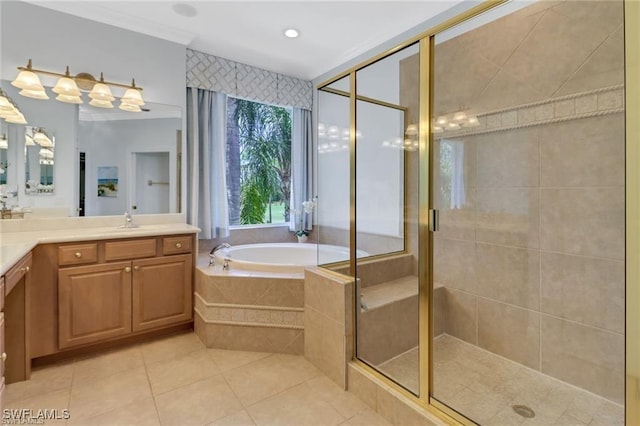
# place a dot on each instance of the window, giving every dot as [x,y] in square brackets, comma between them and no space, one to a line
[258,162]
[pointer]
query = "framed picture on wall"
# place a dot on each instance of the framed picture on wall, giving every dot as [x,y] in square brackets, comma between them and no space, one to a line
[107,181]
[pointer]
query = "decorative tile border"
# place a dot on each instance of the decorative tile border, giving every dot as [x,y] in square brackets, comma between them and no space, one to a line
[593,103]
[249,315]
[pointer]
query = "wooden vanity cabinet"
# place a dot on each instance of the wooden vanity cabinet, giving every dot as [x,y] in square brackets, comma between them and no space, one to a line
[15,319]
[94,303]
[107,290]
[162,293]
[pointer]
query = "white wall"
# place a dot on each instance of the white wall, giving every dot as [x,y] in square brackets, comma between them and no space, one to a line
[54,40]
[112,143]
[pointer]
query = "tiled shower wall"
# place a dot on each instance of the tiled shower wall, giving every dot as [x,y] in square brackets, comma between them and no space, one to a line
[534,262]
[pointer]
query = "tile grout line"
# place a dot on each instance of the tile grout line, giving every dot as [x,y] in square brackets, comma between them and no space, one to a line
[153,395]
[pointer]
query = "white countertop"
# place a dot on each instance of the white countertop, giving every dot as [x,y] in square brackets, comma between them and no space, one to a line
[14,245]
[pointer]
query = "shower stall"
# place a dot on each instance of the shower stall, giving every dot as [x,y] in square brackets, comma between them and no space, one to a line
[481,168]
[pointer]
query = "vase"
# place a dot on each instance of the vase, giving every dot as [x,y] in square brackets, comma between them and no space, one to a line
[302,238]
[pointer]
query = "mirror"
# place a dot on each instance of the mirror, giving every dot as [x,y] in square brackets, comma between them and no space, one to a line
[128,160]
[39,161]
[100,161]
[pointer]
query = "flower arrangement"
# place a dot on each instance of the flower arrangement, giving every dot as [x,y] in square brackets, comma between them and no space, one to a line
[307,207]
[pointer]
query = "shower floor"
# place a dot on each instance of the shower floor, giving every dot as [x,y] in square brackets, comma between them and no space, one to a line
[484,387]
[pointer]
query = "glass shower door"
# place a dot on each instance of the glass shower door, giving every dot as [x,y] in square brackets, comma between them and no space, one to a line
[528,177]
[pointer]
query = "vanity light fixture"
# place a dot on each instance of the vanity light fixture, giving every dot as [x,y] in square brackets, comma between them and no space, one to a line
[454,121]
[68,88]
[4,142]
[41,138]
[9,111]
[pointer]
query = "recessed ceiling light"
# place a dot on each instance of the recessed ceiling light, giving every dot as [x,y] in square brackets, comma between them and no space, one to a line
[185,9]
[291,33]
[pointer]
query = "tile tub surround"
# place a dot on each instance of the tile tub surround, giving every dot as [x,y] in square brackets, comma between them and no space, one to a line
[249,310]
[328,313]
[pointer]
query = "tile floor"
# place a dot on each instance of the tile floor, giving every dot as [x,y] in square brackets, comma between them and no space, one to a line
[484,387]
[177,381]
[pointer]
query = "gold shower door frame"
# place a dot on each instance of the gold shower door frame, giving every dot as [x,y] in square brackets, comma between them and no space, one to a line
[632,154]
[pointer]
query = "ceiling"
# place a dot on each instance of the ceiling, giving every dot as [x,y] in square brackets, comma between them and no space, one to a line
[251,32]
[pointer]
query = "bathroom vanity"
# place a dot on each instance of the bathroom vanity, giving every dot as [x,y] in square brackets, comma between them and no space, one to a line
[73,290]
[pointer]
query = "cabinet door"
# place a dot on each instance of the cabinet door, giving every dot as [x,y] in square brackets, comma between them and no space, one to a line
[162,291]
[94,303]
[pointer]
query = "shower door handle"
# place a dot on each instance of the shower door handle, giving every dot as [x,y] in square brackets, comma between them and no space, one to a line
[434,220]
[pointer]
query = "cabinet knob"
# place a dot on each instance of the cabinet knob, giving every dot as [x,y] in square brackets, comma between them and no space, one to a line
[78,254]
[127,269]
[25,269]
[178,245]
[136,268]
[4,356]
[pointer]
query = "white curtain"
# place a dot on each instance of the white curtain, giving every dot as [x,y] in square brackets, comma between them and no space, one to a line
[302,159]
[207,206]
[458,195]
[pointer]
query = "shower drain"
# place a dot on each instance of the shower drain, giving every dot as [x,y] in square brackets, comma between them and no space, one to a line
[524,411]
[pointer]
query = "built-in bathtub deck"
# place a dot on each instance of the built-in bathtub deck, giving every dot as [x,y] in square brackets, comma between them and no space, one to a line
[249,310]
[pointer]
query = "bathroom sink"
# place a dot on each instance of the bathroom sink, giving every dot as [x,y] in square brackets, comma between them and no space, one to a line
[121,228]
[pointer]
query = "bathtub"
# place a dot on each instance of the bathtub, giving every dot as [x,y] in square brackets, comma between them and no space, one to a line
[282,257]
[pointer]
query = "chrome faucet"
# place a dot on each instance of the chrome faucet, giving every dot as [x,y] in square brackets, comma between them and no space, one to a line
[128,221]
[212,254]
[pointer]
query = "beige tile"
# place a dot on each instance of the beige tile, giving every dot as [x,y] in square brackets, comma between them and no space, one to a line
[241,418]
[302,407]
[228,360]
[564,108]
[610,100]
[361,386]
[585,104]
[583,356]
[595,147]
[171,347]
[242,290]
[142,413]
[404,370]
[439,310]
[508,216]
[508,159]
[345,403]
[56,400]
[103,365]
[456,82]
[461,315]
[198,403]
[269,376]
[89,399]
[459,223]
[43,380]
[372,272]
[509,331]
[287,292]
[192,367]
[604,68]
[255,338]
[455,264]
[509,274]
[587,221]
[388,330]
[367,417]
[200,328]
[530,62]
[325,294]
[586,290]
